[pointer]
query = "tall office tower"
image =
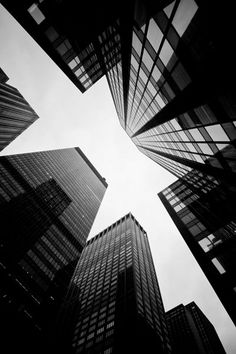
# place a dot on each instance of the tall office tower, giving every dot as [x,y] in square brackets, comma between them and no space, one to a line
[16,115]
[169,99]
[165,62]
[114,303]
[70,33]
[48,202]
[203,209]
[191,332]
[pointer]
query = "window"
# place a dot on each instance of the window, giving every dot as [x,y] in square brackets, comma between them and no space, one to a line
[166,52]
[184,15]
[52,34]
[206,149]
[169,9]
[110,332]
[147,59]
[36,13]
[217,133]
[180,76]
[197,229]
[156,74]
[218,265]
[110,324]
[197,136]
[63,47]
[136,43]
[209,242]
[154,35]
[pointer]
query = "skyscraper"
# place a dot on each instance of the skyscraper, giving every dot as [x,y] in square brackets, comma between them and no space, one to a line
[48,204]
[203,209]
[70,32]
[191,332]
[114,303]
[16,115]
[172,84]
[161,100]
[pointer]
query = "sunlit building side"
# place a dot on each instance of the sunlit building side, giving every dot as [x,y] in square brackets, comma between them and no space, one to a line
[114,303]
[203,209]
[191,331]
[16,114]
[48,203]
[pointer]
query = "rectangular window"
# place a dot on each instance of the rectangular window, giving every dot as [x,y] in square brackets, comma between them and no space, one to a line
[36,13]
[218,266]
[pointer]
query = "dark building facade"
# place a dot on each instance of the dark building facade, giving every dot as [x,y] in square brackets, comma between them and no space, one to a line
[191,332]
[203,209]
[16,115]
[114,303]
[70,33]
[48,202]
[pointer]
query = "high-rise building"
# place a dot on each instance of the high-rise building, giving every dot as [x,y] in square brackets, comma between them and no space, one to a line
[48,202]
[165,62]
[203,209]
[69,32]
[16,115]
[190,331]
[114,303]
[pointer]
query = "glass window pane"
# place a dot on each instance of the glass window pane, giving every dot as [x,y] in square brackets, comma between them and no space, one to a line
[183,136]
[169,9]
[196,135]
[206,149]
[166,52]
[62,49]
[36,13]
[134,63]
[184,15]
[147,59]
[52,34]
[181,76]
[137,43]
[218,266]
[198,158]
[217,133]
[191,147]
[143,76]
[175,124]
[160,101]
[156,74]
[154,35]
[72,64]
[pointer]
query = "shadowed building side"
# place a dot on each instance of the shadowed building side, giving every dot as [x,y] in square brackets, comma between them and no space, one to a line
[191,332]
[203,209]
[48,202]
[114,303]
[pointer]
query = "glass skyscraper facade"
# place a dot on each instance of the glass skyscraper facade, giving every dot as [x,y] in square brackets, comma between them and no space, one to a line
[16,115]
[114,303]
[191,332]
[203,209]
[48,202]
[69,33]
[171,83]
[170,106]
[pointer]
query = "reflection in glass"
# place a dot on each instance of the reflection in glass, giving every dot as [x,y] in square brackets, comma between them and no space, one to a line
[184,15]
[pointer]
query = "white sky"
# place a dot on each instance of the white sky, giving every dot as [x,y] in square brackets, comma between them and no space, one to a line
[69,118]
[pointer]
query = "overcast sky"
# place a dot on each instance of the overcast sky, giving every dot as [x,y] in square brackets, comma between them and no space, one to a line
[69,118]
